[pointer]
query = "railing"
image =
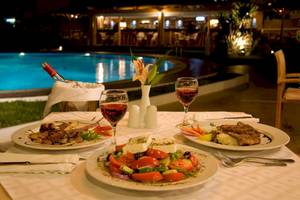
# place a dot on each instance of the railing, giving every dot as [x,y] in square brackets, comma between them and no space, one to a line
[146,38]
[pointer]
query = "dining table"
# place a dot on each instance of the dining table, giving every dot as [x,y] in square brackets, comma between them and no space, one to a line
[246,181]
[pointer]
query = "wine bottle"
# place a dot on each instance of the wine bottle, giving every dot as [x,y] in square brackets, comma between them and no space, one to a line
[52,72]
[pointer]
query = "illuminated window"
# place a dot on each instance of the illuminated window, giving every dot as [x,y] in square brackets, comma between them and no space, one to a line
[123,24]
[112,23]
[133,24]
[145,21]
[200,18]
[179,23]
[213,23]
[100,22]
[167,23]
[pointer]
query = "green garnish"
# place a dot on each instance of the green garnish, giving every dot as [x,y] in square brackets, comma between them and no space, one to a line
[176,155]
[118,154]
[160,168]
[89,135]
[146,169]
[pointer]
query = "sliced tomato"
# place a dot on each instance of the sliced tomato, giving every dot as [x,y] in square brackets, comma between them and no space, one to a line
[126,159]
[171,177]
[147,177]
[114,169]
[116,172]
[194,160]
[155,153]
[145,161]
[103,130]
[182,165]
[114,161]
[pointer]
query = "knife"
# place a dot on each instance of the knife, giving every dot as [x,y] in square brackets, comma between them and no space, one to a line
[32,163]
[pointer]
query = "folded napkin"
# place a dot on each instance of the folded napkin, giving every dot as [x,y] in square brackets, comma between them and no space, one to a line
[37,163]
[77,92]
[73,115]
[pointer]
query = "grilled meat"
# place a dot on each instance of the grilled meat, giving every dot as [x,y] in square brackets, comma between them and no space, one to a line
[244,133]
[59,133]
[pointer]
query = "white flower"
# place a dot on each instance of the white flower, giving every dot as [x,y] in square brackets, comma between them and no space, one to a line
[141,71]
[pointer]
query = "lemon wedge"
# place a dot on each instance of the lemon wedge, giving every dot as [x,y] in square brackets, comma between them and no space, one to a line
[205,137]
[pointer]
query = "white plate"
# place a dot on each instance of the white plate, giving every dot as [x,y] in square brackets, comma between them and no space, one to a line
[21,137]
[278,137]
[209,167]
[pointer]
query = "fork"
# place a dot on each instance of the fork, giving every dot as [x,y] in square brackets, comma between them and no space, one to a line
[231,162]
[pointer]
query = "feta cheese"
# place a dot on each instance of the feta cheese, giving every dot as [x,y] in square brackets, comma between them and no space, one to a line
[164,144]
[138,144]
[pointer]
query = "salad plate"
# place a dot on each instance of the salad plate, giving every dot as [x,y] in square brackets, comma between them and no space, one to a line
[23,137]
[276,137]
[97,170]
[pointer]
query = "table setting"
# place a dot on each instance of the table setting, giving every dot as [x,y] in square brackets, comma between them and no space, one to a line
[123,151]
[265,182]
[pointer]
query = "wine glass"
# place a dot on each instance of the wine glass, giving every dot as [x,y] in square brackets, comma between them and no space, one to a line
[186,91]
[113,105]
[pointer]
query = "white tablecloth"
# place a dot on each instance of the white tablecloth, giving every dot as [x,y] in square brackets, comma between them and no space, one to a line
[245,182]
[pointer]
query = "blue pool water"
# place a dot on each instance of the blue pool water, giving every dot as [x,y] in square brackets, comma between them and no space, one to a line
[22,72]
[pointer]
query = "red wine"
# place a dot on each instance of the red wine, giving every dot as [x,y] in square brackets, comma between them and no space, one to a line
[113,112]
[186,95]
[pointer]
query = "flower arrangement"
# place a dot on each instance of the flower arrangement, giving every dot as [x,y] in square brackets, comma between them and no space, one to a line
[149,74]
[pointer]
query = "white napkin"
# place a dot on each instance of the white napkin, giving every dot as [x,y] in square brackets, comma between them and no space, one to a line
[73,91]
[39,163]
[73,115]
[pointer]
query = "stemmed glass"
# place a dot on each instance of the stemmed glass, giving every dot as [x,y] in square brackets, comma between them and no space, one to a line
[113,105]
[186,91]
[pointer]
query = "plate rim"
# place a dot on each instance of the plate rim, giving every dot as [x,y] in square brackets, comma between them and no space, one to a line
[21,131]
[91,165]
[274,132]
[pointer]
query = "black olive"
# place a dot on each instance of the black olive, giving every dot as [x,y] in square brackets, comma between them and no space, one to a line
[107,158]
[187,155]
[140,154]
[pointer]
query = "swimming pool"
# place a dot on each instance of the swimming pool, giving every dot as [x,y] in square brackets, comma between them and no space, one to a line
[23,71]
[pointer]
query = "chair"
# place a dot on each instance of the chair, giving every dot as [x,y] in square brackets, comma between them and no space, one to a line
[140,38]
[284,93]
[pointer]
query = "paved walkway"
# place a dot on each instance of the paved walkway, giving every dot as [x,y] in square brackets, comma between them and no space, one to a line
[258,99]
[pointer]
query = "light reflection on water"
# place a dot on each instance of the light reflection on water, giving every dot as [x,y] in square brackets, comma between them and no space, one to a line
[99,73]
[122,68]
[25,72]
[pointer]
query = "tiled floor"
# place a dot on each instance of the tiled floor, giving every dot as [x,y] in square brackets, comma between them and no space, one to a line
[257,99]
